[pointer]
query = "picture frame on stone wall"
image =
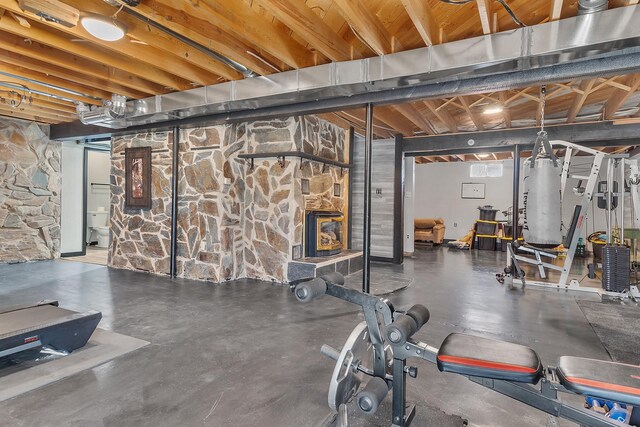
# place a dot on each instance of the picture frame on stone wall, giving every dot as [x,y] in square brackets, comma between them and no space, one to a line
[304,186]
[137,177]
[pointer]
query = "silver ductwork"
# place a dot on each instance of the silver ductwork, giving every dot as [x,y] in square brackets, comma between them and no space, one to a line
[530,50]
[591,6]
[109,115]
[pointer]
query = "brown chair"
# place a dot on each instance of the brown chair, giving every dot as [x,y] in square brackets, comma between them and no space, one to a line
[429,230]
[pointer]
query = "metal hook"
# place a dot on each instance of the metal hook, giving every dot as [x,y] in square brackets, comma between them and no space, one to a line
[251,164]
[281,161]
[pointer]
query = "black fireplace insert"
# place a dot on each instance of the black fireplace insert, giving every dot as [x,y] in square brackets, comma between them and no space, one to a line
[323,233]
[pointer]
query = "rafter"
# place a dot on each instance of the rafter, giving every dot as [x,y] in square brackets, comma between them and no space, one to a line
[75,64]
[475,118]
[422,17]
[556,10]
[49,38]
[412,113]
[242,22]
[585,86]
[306,23]
[393,120]
[619,96]
[159,40]
[484,11]
[366,25]
[442,114]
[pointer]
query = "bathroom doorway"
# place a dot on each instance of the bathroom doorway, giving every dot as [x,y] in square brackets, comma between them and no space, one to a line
[86,200]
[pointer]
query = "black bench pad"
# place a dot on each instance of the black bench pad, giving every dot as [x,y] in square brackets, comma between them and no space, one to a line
[598,378]
[487,358]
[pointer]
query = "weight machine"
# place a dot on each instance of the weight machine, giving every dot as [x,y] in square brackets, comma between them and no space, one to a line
[379,348]
[513,269]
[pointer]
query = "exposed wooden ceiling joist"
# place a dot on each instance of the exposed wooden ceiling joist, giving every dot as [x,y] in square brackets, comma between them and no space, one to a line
[620,96]
[423,19]
[366,25]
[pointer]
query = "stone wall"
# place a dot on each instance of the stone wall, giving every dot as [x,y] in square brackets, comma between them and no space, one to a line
[140,238]
[29,193]
[234,221]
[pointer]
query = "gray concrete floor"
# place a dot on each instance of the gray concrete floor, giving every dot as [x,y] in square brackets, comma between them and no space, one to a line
[246,353]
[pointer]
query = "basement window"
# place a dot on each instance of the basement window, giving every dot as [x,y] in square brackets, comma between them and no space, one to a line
[485,170]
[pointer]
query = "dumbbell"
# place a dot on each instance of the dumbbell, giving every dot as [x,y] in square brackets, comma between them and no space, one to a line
[407,324]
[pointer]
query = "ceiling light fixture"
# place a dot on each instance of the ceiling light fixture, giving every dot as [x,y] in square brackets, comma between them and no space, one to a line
[494,109]
[107,29]
[484,155]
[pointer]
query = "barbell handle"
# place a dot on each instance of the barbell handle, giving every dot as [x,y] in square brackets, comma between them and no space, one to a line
[329,352]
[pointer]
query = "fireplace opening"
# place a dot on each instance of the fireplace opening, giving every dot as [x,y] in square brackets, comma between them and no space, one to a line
[324,233]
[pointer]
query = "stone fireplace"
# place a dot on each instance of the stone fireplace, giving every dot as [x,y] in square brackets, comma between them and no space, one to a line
[238,217]
[324,233]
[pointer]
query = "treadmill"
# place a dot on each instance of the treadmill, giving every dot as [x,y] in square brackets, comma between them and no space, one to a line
[45,325]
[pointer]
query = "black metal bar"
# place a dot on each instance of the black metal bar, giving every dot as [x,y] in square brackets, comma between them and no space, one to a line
[352,143]
[516,191]
[399,393]
[398,200]
[174,201]
[299,154]
[366,236]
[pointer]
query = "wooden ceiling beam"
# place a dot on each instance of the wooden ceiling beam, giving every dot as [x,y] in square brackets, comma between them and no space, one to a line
[56,92]
[75,64]
[555,10]
[413,114]
[160,40]
[619,96]
[204,33]
[25,66]
[25,116]
[55,40]
[243,22]
[393,120]
[475,118]
[578,102]
[442,114]
[484,11]
[43,114]
[306,23]
[50,80]
[144,57]
[422,17]
[367,25]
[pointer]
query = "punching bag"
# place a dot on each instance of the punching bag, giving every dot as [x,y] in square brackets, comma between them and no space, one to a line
[542,203]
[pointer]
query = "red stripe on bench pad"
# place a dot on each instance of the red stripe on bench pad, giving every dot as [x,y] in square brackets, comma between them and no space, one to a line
[485,364]
[605,386]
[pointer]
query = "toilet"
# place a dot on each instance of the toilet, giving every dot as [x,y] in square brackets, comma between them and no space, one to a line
[97,223]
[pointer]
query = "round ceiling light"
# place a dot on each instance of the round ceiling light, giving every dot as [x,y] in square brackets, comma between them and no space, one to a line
[107,29]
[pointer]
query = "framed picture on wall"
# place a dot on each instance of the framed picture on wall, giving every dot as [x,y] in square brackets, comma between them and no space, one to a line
[137,179]
[472,190]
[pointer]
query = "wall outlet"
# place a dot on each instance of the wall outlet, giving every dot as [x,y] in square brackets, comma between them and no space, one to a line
[455,224]
[378,190]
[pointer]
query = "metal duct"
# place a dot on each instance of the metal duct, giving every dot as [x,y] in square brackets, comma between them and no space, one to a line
[591,6]
[108,115]
[505,60]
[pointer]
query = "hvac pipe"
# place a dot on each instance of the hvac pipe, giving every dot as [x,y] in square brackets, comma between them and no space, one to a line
[599,67]
[366,240]
[174,201]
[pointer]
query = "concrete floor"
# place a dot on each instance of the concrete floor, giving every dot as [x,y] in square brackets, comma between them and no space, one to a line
[246,353]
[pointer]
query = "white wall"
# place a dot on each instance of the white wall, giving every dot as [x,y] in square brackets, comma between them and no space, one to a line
[98,172]
[438,195]
[71,198]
